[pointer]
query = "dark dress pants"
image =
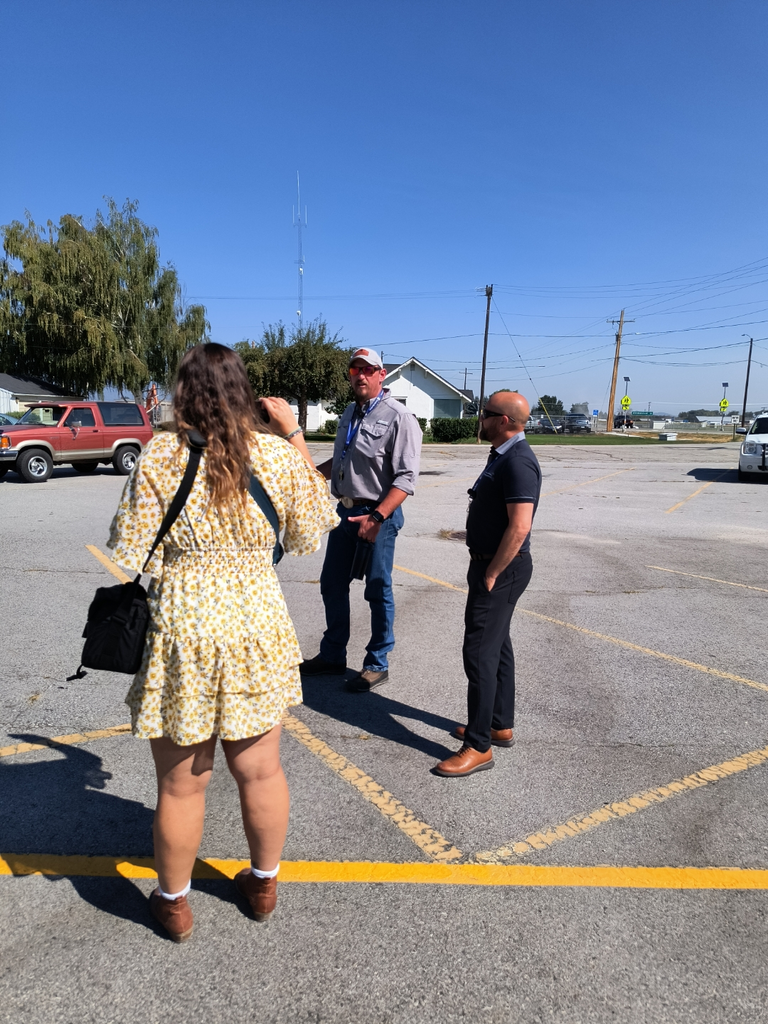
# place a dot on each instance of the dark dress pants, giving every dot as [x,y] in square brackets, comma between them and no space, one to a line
[488,658]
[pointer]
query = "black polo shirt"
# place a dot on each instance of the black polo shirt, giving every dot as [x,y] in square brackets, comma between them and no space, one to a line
[514,476]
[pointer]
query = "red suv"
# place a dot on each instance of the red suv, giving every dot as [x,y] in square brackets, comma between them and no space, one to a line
[82,434]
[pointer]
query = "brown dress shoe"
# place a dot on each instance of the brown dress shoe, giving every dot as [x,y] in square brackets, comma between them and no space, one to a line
[261,893]
[367,680]
[466,762]
[499,737]
[174,915]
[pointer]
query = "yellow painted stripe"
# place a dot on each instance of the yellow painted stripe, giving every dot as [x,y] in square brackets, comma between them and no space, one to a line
[427,839]
[712,579]
[531,875]
[431,579]
[72,740]
[586,483]
[108,564]
[650,651]
[611,639]
[702,488]
[622,808]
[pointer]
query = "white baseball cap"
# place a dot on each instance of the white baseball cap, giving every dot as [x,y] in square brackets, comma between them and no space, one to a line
[368,355]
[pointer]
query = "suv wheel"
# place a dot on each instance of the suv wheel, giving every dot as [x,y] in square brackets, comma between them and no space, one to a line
[35,465]
[3,471]
[124,459]
[85,467]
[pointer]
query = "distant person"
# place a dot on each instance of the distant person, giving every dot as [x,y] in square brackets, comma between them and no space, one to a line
[222,657]
[374,468]
[503,503]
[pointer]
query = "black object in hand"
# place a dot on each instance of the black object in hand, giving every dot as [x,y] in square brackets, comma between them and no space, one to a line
[362,560]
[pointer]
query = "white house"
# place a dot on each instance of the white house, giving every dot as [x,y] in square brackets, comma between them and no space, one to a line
[19,391]
[425,393]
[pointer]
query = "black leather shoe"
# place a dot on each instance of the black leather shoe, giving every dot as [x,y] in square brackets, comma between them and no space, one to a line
[367,680]
[320,667]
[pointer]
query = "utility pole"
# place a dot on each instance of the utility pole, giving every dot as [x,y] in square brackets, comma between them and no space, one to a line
[746,384]
[609,424]
[488,295]
[297,221]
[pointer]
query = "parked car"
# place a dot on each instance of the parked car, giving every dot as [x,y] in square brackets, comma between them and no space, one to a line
[623,422]
[578,422]
[547,426]
[6,421]
[754,448]
[83,434]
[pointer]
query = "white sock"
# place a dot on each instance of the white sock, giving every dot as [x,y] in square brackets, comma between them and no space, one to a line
[264,874]
[175,895]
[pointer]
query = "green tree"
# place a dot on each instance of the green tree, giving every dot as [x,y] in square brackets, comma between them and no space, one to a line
[549,404]
[92,307]
[582,407]
[304,363]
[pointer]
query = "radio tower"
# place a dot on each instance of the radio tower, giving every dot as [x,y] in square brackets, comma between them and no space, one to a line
[297,223]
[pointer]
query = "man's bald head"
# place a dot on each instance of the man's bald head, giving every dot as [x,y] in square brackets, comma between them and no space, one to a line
[513,405]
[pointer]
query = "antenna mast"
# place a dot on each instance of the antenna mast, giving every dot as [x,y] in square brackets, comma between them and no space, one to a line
[297,223]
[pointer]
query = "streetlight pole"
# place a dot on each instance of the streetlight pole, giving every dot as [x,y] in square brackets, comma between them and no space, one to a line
[488,295]
[746,382]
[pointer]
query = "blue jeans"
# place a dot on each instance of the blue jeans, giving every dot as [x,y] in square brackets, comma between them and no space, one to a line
[334,586]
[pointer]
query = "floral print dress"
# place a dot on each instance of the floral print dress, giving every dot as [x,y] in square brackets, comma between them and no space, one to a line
[222,655]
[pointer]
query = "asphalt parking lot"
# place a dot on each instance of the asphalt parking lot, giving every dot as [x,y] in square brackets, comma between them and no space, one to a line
[612,867]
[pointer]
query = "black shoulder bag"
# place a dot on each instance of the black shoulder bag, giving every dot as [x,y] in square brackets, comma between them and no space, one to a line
[118,618]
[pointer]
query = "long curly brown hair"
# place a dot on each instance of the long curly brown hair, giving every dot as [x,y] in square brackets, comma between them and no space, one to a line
[213,396]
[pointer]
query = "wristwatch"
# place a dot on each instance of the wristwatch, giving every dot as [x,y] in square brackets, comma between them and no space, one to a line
[376,516]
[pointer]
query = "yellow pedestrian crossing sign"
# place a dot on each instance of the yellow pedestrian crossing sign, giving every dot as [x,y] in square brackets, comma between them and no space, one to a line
[626,402]
[724,403]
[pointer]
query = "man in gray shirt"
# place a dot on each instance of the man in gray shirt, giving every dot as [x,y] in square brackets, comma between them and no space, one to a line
[374,468]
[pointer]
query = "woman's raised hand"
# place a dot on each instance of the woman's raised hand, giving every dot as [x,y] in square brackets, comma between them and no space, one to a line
[281,417]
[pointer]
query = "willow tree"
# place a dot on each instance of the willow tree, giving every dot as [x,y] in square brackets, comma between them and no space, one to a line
[304,363]
[89,307]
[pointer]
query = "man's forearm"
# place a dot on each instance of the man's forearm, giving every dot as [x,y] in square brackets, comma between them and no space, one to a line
[392,500]
[511,542]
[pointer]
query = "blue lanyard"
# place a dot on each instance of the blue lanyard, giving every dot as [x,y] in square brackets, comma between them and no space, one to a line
[352,428]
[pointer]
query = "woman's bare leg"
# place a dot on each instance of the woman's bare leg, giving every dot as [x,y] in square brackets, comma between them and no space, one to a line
[264,801]
[183,774]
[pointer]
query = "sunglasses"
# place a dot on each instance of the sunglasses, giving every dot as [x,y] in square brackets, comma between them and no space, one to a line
[490,412]
[367,371]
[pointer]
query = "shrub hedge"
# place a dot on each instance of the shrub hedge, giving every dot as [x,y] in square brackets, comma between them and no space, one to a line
[447,430]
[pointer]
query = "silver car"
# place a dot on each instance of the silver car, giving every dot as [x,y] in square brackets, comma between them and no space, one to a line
[754,449]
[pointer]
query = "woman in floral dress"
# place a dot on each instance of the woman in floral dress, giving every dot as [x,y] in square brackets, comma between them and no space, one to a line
[222,657]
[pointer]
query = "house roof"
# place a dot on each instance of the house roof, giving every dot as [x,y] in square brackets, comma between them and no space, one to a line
[31,388]
[392,368]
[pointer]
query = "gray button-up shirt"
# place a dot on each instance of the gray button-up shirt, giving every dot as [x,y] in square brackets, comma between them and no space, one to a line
[383,453]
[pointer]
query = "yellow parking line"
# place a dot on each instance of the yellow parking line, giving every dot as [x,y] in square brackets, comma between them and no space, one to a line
[620,809]
[71,740]
[612,639]
[702,488]
[412,572]
[427,839]
[530,875]
[108,564]
[712,579]
[586,483]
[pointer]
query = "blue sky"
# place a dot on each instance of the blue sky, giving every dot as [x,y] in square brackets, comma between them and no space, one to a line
[581,155]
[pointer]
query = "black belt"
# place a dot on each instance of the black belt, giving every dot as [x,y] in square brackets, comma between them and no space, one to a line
[353,502]
[478,556]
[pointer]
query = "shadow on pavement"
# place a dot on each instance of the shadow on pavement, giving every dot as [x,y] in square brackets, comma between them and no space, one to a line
[731,476]
[373,713]
[59,807]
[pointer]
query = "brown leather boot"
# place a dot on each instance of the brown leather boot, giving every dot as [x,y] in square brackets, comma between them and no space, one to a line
[174,915]
[261,893]
[466,762]
[499,737]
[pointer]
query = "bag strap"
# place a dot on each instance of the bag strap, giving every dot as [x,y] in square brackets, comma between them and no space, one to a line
[197,443]
[264,502]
